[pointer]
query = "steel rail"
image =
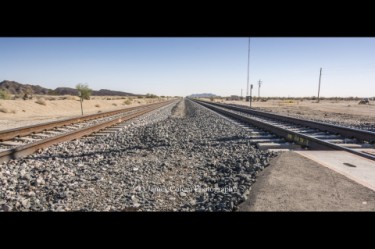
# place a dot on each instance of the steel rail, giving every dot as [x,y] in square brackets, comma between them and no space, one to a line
[30,148]
[298,138]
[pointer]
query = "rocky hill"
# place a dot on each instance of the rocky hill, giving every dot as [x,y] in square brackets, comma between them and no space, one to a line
[17,88]
[202,95]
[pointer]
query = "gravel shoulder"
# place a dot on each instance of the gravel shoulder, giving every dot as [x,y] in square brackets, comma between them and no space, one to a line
[294,183]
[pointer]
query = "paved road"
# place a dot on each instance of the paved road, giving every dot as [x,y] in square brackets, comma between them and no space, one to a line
[295,183]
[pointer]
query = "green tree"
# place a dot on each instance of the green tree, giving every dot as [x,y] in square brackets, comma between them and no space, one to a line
[84,91]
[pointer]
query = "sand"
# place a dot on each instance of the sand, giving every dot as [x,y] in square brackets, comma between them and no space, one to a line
[17,113]
[348,107]
[326,110]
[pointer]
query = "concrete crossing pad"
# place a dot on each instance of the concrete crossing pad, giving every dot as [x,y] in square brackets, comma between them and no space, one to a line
[356,168]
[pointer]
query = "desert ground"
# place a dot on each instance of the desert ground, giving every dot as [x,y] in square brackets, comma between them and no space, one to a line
[348,113]
[17,113]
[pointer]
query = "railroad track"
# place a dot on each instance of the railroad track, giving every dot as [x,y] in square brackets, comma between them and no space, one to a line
[278,132]
[23,141]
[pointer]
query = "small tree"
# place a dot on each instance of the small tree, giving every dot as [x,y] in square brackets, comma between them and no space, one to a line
[84,92]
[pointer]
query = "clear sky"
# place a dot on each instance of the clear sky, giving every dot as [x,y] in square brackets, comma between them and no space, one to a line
[182,66]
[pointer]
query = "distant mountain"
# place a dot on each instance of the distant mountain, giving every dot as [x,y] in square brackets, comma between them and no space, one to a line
[202,95]
[101,92]
[105,92]
[65,91]
[17,88]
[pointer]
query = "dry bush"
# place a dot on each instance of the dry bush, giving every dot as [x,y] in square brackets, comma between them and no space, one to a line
[114,104]
[4,94]
[41,101]
[51,98]
[4,110]
[128,102]
[97,105]
[23,111]
[109,98]
[99,111]
[13,111]
[69,97]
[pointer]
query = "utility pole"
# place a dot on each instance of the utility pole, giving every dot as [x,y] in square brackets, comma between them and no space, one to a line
[241,93]
[320,77]
[248,69]
[251,89]
[259,84]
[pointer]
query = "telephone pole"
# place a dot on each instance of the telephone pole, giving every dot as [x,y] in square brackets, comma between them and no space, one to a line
[248,69]
[251,89]
[259,84]
[241,93]
[320,77]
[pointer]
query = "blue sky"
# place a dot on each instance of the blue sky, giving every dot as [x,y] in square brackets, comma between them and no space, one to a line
[182,66]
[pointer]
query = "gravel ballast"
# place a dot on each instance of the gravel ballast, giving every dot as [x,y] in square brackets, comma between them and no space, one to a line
[182,157]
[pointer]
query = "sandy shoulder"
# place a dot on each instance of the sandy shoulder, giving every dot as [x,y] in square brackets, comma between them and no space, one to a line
[17,113]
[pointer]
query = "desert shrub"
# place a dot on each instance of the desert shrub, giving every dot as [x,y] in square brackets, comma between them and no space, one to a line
[4,110]
[140,97]
[52,92]
[68,97]
[13,111]
[51,98]
[114,104]
[109,98]
[151,96]
[128,102]
[4,94]
[41,101]
[97,105]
